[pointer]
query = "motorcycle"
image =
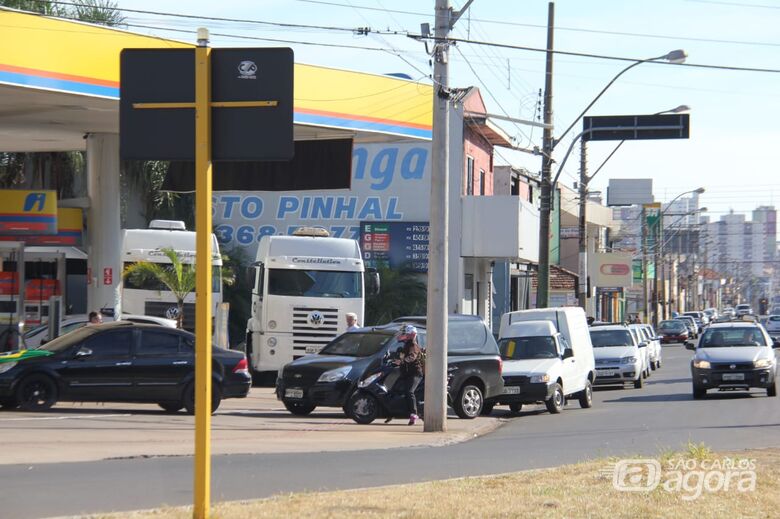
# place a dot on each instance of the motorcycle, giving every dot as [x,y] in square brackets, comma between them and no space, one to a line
[376,396]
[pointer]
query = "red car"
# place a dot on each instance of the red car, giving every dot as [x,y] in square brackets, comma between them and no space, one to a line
[672,330]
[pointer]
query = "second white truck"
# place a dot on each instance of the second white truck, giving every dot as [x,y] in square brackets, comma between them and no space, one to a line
[304,285]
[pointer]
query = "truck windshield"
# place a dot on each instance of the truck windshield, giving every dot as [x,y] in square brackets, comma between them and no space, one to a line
[518,348]
[148,281]
[314,283]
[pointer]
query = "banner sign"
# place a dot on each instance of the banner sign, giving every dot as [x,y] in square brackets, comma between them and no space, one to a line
[390,183]
[397,245]
[28,212]
[609,269]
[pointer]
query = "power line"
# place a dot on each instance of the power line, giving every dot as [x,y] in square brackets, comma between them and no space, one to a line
[367,30]
[568,29]
[600,56]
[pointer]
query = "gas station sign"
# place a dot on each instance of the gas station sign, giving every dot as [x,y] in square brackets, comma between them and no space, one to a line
[28,212]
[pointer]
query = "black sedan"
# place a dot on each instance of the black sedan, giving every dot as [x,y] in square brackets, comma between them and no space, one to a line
[329,377]
[118,362]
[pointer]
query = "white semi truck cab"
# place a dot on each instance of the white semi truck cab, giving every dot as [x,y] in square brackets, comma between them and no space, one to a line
[304,285]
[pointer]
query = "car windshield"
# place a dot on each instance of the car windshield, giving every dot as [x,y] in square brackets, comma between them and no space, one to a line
[729,337]
[671,326]
[35,331]
[63,342]
[519,348]
[314,283]
[604,338]
[355,344]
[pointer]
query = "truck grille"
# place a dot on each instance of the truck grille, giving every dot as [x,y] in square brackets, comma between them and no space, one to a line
[313,327]
[159,309]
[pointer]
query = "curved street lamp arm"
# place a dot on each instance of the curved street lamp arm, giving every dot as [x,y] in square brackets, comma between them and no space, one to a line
[602,93]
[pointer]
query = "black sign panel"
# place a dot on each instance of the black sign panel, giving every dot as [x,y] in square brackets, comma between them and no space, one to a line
[636,127]
[237,75]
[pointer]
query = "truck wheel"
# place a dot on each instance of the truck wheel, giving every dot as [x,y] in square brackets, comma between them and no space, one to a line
[586,396]
[299,408]
[363,408]
[36,393]
[469,403]
[556,401]
[188,397]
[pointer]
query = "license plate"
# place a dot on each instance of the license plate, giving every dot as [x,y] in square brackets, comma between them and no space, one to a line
[293,393]
[313,349]
[606,372]
[511,390]
[733,376]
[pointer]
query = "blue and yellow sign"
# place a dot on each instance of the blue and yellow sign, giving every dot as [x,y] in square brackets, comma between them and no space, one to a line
[28,212]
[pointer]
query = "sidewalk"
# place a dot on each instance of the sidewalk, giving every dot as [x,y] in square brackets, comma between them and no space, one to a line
[254,425]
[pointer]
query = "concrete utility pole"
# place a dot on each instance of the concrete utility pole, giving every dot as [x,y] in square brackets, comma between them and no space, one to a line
[643,224]
[545,201]
[583,228]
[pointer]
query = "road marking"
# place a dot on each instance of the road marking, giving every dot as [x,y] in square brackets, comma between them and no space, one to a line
[78,416]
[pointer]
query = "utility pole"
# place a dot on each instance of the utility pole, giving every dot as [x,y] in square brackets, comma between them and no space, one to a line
[545,203]
[435,419]
[643,223]
[583,228]
[657,227]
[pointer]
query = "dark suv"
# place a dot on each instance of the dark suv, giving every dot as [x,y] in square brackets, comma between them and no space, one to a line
[328,378]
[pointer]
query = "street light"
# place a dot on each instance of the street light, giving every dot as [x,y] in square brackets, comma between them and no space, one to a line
[548,187]
[585,179]
[657,235]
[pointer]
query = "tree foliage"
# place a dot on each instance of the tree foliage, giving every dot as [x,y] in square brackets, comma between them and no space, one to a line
[402,292]
[178,277]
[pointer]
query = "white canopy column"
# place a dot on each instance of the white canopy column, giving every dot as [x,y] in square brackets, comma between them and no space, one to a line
[103,221]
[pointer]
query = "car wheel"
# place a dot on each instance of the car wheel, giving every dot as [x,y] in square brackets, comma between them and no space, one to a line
[515,407]
[556,401]
[170,407]
[658,364]
[699,392]
[772,390]
[639,383]
[586,396]
[363,408]
[487,408]
[36,393]
[469,403]
[188,398]
[299,408]
[652,366]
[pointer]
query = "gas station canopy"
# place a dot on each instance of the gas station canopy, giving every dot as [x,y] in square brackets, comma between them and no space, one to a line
[59,81]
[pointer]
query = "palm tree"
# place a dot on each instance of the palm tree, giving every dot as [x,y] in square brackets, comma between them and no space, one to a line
[403,293]
[178,277]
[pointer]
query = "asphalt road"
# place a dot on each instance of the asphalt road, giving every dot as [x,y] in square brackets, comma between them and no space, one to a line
[659,417]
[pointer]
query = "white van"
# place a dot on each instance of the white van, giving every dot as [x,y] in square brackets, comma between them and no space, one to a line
[547,357]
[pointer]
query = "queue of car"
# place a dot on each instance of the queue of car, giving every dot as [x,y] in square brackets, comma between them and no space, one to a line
[547,356]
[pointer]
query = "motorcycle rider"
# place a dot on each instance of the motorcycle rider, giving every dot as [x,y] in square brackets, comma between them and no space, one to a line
[410,362]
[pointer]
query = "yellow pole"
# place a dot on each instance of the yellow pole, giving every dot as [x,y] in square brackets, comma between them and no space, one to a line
[203,277]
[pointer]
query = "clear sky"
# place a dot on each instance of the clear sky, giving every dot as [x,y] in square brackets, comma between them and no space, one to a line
[735,136]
